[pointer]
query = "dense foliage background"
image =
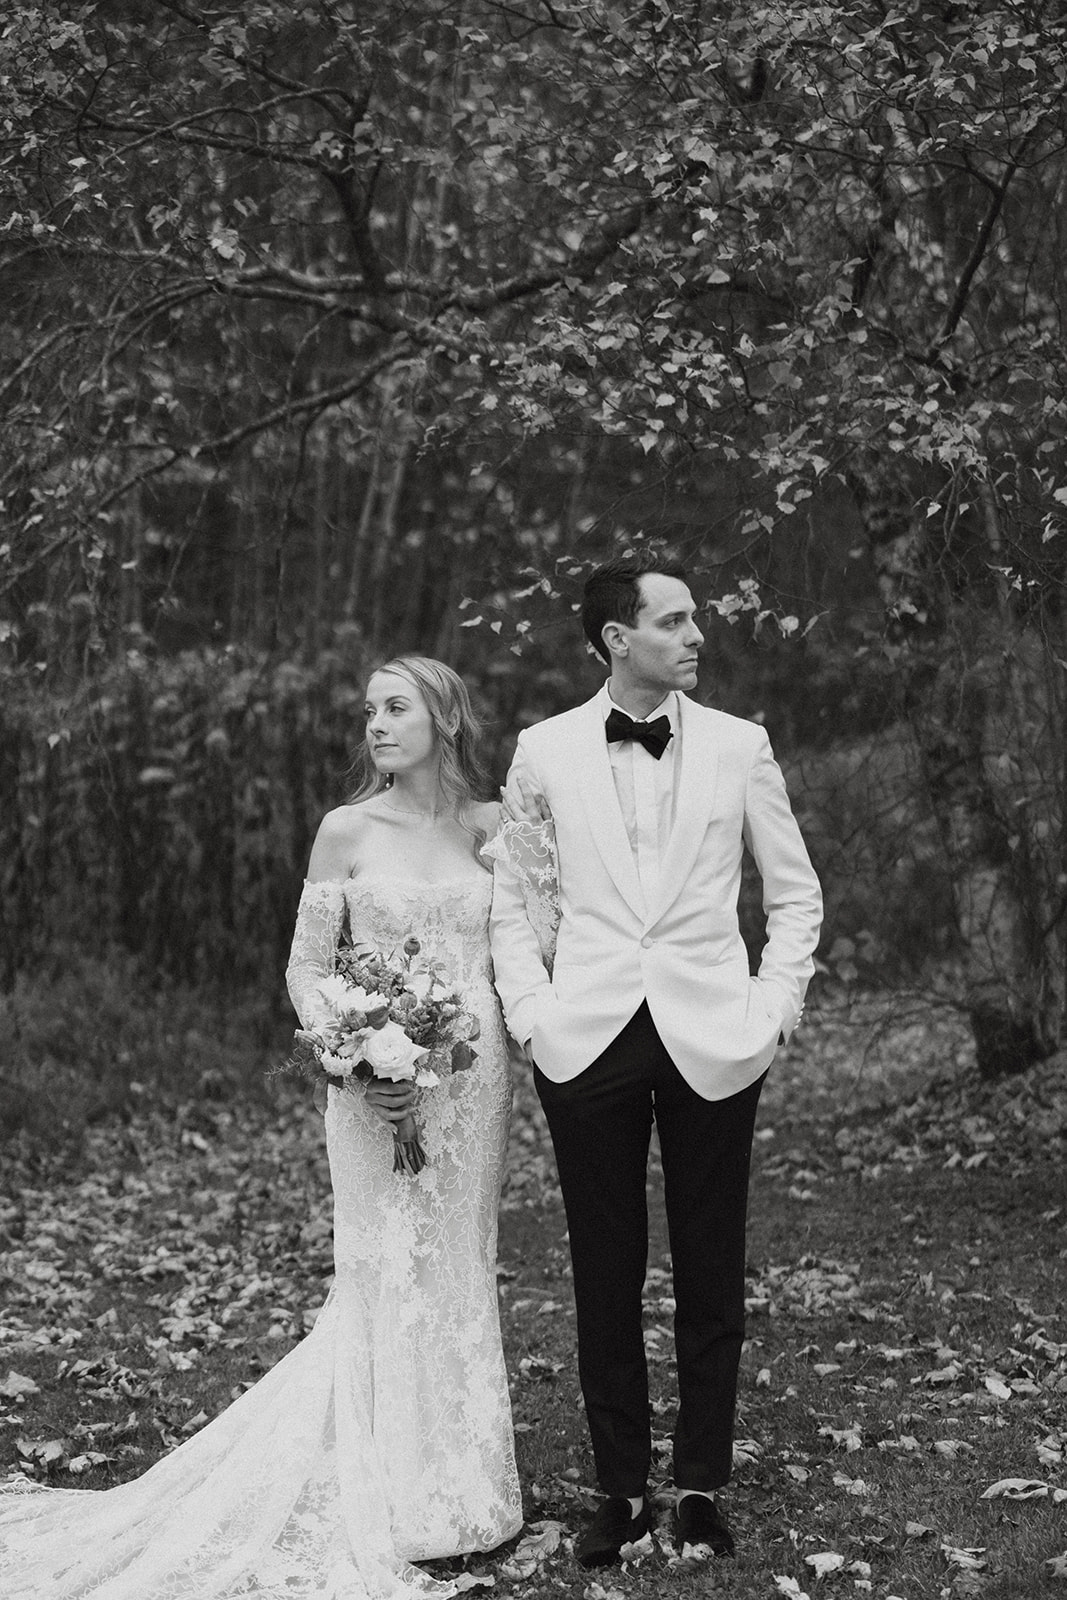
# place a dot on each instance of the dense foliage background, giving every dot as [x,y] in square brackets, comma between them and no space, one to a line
[338,328]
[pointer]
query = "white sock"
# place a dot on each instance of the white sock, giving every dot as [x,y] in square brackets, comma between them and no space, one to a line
[709,1494]
[636,1504]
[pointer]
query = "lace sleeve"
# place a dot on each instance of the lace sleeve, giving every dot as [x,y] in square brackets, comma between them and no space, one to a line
[528,850]
[319,919]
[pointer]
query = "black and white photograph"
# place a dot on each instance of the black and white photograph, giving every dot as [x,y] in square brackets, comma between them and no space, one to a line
[533,800]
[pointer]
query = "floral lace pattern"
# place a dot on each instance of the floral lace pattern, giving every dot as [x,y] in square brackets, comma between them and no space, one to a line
[385,1436]
[529,849]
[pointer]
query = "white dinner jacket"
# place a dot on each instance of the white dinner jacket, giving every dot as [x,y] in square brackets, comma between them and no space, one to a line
[684,953]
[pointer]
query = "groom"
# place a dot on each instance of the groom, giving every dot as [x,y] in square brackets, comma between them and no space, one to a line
[650,1013]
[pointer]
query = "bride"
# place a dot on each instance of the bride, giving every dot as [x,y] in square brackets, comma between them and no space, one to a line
[385,1437]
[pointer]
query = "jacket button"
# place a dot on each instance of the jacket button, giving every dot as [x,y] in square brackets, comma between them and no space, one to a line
[647,942]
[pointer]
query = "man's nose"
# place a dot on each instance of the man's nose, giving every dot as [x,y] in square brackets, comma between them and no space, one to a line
[696,638]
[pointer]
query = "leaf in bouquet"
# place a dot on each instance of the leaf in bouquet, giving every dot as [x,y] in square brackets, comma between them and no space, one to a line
[305,1056]
[462,1056]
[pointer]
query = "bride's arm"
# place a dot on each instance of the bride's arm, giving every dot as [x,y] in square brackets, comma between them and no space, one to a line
[320,914]
[319,920]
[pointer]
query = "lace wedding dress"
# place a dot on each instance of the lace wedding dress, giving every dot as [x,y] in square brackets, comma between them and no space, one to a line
[383,1438]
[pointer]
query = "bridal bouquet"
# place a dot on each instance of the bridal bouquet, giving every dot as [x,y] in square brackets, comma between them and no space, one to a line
[387,1016]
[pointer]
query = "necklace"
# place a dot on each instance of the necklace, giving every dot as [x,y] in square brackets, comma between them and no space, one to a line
[402,811]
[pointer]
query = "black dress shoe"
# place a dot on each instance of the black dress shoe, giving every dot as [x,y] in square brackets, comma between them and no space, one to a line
[613,1525]
[698,1521]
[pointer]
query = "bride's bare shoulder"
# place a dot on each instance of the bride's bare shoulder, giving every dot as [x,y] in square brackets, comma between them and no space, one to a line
[347,820]
[337,841]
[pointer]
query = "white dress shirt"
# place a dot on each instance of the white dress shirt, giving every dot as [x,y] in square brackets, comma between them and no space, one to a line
[645,788]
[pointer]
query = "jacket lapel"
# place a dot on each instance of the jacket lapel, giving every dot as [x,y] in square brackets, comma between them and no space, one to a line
[589,754]
[694,788]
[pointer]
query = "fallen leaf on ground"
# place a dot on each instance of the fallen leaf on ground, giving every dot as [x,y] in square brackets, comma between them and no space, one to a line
[46,1451]
[968,1559]
[15,1384]
[947,1374]
[541,1542]
[854,1486]
[824,1561]
[848,1438]
[637,1551]
[1016,1489]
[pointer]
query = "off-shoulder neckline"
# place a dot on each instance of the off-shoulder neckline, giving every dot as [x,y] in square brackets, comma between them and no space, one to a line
[400,883]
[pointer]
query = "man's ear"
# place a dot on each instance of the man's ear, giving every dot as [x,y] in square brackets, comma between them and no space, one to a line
[614,639]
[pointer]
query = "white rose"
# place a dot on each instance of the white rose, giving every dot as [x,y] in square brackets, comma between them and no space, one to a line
[390,1053]
[356,999]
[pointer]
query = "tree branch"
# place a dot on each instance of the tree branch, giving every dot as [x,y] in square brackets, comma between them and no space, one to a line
[173,134]
[974,261]
[260,68]
[322,400]
[582,265]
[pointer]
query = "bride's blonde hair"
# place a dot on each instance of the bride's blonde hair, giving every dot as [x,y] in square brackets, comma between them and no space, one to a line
[462,774]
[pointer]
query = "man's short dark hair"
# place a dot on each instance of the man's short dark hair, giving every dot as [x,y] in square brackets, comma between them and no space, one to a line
[612,594]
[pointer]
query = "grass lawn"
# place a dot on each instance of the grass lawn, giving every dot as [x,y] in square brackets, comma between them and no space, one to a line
[907,1343]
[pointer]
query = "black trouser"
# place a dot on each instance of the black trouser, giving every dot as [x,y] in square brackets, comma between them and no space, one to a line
[600,1124]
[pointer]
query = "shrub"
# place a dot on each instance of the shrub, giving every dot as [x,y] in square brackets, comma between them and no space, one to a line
[84,1037]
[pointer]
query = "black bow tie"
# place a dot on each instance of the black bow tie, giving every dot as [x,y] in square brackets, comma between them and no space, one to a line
[655,736]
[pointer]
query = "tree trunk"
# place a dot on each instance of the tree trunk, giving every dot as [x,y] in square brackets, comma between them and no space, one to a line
[973,782]
[989,711]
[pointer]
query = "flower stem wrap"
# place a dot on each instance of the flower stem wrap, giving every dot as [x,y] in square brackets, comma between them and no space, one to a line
[408,1154]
